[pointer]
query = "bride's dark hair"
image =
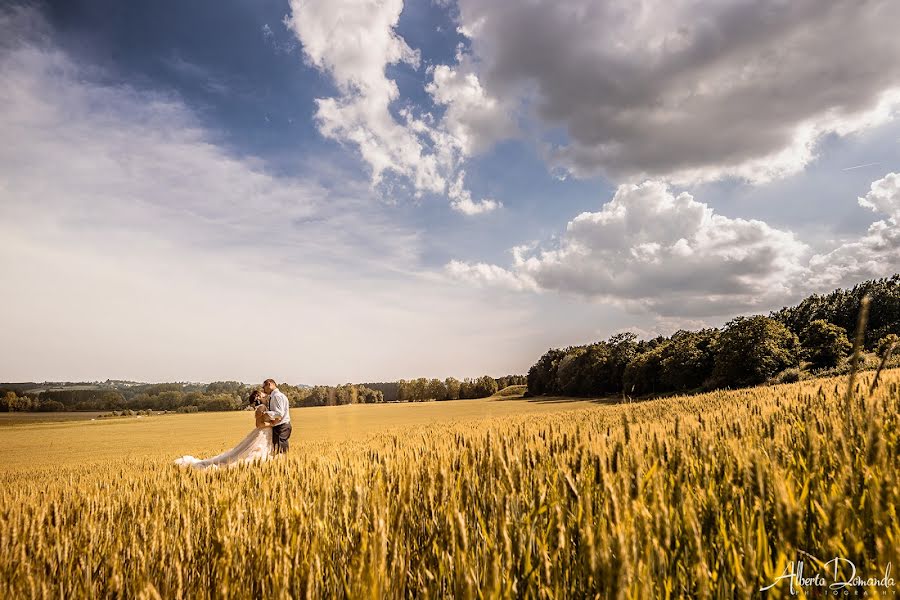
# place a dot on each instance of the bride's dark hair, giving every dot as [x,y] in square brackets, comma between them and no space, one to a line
[254,397]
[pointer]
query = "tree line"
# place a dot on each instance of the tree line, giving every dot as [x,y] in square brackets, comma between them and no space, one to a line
[232,395]
[184,397]
[841,308]
[810,338]
[423,389]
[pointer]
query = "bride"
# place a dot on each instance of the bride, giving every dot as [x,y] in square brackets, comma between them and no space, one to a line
[256,446]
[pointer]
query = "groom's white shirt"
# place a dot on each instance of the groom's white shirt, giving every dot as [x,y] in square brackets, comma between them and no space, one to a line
[279,407]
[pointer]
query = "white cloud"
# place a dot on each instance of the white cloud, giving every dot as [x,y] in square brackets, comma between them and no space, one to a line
[690,90]
[94,155]
[475,119]
[874,255]
[652,249]
[461,198]
[884,196]
[488,275]
[676,258]
[354,42]
[140,248]
[663,326]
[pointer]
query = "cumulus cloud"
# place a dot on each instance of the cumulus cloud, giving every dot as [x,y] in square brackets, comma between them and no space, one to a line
[142,248]
[488,275]
[474,119]
[690,90]
[663,326]
[675,257]
[667,253]
[354,42]
[461,198]
[877,253]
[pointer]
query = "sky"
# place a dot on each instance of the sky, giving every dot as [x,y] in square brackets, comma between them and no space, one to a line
[330,191]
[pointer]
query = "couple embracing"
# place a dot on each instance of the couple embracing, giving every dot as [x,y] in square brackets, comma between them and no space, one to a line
[269,437]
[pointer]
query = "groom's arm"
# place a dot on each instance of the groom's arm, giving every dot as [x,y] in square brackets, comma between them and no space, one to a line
[278,409]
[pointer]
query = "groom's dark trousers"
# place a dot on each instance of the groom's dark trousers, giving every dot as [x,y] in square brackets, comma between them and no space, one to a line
[280,435]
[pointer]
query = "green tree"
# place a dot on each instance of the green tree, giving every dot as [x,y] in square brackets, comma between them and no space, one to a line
[592,370]
[51,406]
[643,375]
[452,385]
[542,375]
[227,387]
[623,347]
[12,403]
[436,390]
[295,394]
[891,339]
[824,344]
[689,359]
[485,386]
[467,389]
[752,349]
[569,372]
[841,307]
[168,400]
[211,402]
[420,389]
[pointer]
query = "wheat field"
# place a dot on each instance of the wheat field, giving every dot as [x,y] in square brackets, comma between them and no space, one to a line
[707,496]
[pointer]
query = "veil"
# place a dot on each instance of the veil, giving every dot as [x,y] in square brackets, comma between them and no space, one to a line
[256,446]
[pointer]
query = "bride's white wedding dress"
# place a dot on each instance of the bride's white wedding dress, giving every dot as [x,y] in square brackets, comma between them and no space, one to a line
[256,446]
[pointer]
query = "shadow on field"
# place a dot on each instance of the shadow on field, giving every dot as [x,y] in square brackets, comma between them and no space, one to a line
[605,400]
[565,399]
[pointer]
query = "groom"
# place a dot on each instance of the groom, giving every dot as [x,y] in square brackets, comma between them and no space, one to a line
[280,413]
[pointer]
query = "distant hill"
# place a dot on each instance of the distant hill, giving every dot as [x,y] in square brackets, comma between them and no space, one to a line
[33,388]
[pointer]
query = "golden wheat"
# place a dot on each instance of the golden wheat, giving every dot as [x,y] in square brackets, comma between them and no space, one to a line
[708,496]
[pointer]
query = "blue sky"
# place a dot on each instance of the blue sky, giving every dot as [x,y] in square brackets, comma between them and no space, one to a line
[244,77]
[344,191]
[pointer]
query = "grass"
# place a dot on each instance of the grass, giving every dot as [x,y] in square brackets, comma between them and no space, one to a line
[707,495]
[512,391]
